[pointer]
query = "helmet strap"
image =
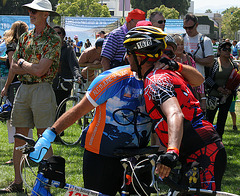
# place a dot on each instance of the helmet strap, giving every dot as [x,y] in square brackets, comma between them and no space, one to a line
[139,66]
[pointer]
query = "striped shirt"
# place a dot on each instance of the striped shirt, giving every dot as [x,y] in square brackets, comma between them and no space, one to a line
[113,48]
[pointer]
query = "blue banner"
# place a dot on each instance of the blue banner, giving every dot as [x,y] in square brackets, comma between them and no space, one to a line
[6,22]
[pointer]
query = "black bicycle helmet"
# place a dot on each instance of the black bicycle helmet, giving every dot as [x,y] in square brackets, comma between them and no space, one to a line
[145,41]
[170,41]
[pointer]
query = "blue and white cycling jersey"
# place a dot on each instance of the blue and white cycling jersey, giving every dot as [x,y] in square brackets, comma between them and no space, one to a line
[120,119]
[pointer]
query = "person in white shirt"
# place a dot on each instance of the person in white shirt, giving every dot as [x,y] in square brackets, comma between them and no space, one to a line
[202,53]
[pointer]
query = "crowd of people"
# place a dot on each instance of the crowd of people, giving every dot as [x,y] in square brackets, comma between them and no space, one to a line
[172,84]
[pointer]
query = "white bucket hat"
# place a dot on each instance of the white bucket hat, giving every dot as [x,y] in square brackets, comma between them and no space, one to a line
[41,5]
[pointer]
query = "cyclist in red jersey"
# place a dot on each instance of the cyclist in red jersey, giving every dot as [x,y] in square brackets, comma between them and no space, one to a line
[179,119]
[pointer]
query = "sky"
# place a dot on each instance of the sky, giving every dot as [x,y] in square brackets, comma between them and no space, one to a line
[200,6]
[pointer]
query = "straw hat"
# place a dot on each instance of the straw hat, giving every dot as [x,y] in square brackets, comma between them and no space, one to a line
[41,5]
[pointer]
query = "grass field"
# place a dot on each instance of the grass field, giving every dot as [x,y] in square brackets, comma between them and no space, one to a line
[73,157]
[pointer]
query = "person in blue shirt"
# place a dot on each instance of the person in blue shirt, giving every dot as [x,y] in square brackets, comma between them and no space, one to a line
[120,121]
[77,46]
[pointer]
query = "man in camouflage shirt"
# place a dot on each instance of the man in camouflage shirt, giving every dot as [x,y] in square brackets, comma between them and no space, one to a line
[36,62]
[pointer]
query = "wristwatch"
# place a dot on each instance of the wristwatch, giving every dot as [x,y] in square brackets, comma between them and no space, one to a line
[21,63]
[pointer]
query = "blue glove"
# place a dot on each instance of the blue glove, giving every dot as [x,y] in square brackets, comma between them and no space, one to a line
[42,145]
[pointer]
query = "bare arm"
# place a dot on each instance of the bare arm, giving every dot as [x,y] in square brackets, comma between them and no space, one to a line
[207,61]
[192,75]
[72,115]
[10,77]
[174,115]
[105,63]
[34,69]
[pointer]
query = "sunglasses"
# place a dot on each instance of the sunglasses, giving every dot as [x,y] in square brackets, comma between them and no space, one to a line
[128,52]
[59,33]
[226,49]
[161,21]
[32,11]
[169,53]
[189,28]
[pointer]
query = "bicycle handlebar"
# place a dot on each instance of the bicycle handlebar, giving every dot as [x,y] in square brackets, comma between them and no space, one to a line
[30,141]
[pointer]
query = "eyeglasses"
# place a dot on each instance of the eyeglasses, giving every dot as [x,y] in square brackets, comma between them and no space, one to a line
[189,28]
[161,21]
[30,10]
[226,49]
[169,53]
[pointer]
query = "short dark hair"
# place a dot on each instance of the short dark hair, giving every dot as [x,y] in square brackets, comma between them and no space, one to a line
[103,32]
[191,17]
[99,42]
[61,29]
[153,14]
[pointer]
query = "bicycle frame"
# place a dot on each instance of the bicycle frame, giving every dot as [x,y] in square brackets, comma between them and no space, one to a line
[42,183]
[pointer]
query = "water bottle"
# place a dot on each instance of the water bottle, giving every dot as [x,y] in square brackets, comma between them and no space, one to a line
[42,145]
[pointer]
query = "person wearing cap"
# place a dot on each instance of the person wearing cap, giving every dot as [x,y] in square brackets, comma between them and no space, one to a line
[36,61]
[91,60]
[216,85]
[101,34]
[113,51]
[158,20]
[178,118]
[77,46]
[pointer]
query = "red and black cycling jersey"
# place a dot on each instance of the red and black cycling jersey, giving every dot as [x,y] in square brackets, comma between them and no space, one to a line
[161,85]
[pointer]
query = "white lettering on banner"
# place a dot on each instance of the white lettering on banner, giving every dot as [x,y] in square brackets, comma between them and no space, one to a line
[144,43]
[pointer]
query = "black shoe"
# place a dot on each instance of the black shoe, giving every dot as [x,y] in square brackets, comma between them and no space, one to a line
[12,188]
[235,128]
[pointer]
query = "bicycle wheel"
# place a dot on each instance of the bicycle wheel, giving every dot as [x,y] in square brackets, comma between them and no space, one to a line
[72,134]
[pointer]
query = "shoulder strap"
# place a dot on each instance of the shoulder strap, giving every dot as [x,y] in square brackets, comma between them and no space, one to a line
[202,44]
[189,60]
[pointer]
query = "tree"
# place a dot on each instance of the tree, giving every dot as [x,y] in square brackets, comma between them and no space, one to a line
[230,22]
[14,7]
[180,5]
[87,8]
[168,13]
[208,11]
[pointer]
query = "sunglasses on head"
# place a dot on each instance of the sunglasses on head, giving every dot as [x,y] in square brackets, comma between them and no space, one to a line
[30,10]
[226,49]
[189,28]
[161,21]
[169,53]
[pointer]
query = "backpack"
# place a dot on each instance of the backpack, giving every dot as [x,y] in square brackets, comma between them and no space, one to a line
[201,43]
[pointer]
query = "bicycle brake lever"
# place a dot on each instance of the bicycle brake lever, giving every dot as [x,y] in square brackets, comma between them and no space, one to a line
[153,158]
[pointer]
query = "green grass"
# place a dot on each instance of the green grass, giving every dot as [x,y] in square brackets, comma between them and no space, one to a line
[73,156]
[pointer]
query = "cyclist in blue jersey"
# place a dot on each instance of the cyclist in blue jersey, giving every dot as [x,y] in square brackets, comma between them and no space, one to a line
[120,121]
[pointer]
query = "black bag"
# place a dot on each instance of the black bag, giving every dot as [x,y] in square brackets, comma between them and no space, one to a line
[53,168]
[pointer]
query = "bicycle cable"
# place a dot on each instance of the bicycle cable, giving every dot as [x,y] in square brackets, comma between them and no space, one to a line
[133,173]
[24,157]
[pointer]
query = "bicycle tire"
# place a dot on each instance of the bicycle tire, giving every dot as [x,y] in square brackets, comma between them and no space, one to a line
[71,135]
